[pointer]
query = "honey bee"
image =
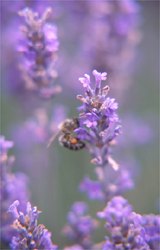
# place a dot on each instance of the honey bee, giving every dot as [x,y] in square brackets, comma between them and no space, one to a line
[67,137]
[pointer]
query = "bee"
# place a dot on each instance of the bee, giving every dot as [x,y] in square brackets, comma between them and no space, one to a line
[67,137]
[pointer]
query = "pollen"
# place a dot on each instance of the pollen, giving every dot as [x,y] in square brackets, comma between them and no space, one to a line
[73,141]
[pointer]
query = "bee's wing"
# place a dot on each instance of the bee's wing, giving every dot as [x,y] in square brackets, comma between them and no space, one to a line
[53,137]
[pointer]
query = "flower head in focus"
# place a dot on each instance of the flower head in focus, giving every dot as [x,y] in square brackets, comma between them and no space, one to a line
[38,46]
[27,233]
[12,186]
[99,128]
[99,122]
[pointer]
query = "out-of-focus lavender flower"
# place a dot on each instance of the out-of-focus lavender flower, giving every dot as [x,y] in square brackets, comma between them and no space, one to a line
[12,186]
[80,226]
[110,39]
[38,46]
[34,134]
[124,226]
[12,79]
[27,233]
[11,8]
[74,247]
[111,183]
[92,188]
[137,131]
[40,126]
[151,223]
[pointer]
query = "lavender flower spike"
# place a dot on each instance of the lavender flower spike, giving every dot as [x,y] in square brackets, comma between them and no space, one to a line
[80,227]
[99,127]
[12,186]
[110,39]
[29,235]
[124,227]
[151,223]
[99,122]
[114,183]
[39,45]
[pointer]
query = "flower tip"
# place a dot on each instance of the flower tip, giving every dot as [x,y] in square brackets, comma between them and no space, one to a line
[106,88]
[24,11]
[94,72]
[100,215]
[81,98]
[113,163]
[80,79]
[99,76]
[47,13]
[14,204]
[97,160]
[13,208]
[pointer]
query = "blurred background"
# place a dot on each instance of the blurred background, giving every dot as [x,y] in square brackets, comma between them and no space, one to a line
[55,173]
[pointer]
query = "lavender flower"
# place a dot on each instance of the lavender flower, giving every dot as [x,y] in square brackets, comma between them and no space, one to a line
[99,122]
[38,46]
[139,133]
[74,247]
[113,183]
[40,126]
[8,8]
[124,226]
[34,134]
[12,186]
[93,188]
[151,223]
[80,226]
[27,234]
[99,127]
[110,39]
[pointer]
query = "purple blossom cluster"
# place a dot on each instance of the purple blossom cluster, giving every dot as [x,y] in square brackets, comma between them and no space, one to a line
[109,184]
[12,186]
[80,226]
[151,223]
[110,35]
[38,47]
[99,127]
[40,126]
[35,134]
[127,229]
[114,34]
[27,233]
[99,122]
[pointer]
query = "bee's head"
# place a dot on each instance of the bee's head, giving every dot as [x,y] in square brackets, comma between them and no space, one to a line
[69,125]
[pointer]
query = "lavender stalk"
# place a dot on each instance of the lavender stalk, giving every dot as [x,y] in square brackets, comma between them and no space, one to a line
[99,127]
[39,46]
[12,186]
[27,233]
[80,226]
[127,229]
